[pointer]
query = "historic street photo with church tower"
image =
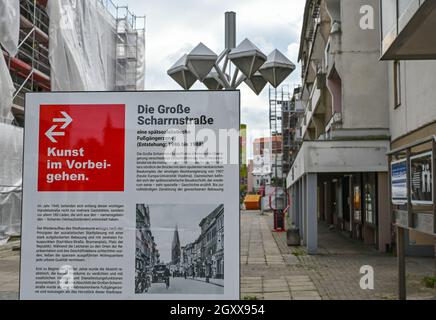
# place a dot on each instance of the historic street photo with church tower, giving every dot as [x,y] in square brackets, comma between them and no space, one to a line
[179,249]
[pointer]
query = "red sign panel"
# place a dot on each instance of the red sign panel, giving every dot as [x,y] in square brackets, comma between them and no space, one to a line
[81,148]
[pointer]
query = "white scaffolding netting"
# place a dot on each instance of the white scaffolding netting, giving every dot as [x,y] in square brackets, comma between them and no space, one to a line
[90,50]
[83,54]
[6,89]
[10,25]
[11,150]
[9,32]
[140,69]
[82,46]
[11,138]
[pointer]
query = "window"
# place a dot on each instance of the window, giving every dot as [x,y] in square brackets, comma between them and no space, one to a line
[403,5]
[389,17]
[326,55]
[397,83]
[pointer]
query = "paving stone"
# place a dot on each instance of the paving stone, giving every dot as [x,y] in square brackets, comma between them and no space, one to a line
[306,298]
[276,280]
[275,283]
[300,284]
[276,289]
[277,296]
[251,278]
[264,260]
[252,289]
[251,296]
[11,295]
[297,278]
[302,288]
[306,295]
[335,271]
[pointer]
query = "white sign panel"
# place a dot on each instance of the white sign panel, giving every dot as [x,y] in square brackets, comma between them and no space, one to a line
[131,195]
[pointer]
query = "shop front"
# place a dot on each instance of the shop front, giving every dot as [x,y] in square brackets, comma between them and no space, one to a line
[344,185]
[349,202]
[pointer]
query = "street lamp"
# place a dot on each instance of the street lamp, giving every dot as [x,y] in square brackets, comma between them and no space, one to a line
[214,71]
[181,73]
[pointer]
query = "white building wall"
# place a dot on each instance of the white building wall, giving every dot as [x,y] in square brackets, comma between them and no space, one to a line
[364,77]
[418,97]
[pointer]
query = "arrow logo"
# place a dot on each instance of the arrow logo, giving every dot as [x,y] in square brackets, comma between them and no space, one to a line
[51,133]
[66,120]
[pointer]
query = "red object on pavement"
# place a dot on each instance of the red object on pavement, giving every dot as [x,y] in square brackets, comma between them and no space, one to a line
[279,216]
[262,191]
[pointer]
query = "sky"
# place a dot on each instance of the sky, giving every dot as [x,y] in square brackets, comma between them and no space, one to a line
[164,218]
[175,27]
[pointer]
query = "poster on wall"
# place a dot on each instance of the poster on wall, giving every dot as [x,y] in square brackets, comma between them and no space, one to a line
[399,182]
[421,175]
[131,195]
[357,201]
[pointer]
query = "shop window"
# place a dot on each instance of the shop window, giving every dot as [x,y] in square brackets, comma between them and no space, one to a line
[357,198]
[357,204]
[370,199]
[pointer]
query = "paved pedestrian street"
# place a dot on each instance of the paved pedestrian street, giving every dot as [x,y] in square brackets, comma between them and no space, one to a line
[9,266]
[266,273]
[271,270]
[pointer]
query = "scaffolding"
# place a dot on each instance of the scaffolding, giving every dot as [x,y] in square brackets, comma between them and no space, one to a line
[129,56]
[284,114]
[31,71]
[129,34]
[113,54]
[30,68]
[279,100]
[292,112]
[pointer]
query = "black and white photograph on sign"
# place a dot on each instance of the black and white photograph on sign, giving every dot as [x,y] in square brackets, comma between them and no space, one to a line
[179,249]
[421,178]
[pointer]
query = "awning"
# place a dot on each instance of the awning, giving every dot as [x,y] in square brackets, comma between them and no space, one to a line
[339,157]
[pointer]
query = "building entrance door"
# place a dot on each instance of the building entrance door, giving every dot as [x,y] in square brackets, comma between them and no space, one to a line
[346,201]
[334,202]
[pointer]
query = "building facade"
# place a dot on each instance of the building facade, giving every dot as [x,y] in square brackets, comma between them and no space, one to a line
[407,26]
[270,145]
[267,162]
[204,258]
[339,175]
[147,254]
